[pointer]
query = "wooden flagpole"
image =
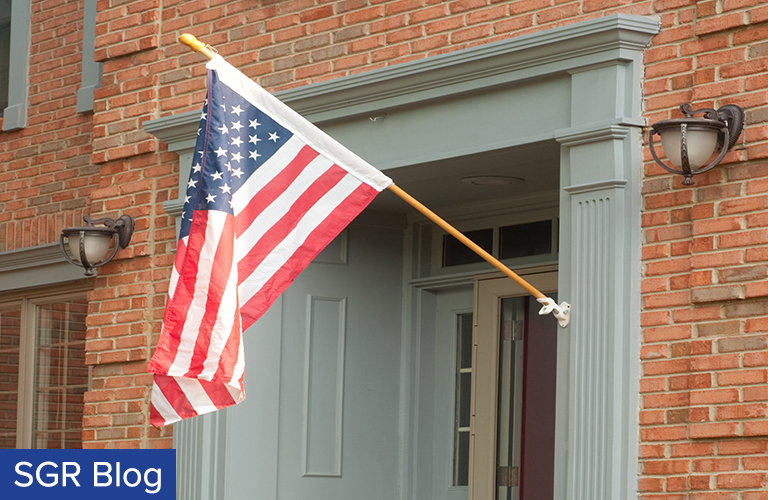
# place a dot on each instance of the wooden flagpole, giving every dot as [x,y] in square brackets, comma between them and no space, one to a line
[562,312]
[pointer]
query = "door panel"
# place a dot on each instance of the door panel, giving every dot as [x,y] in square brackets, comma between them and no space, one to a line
[453,318]
[505,384]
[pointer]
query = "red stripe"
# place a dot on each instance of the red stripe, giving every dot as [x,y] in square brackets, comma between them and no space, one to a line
[282,228]
[230,353]
[154,417]
[269,193]
[175,396]
[221,270]
[178,306]
[218,394]
[326,231]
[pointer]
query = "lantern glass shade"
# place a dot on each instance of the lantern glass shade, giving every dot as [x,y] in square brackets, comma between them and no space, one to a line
[701,142]
[96,246]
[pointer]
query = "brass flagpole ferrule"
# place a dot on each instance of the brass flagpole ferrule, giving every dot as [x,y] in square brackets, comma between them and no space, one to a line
[193,43]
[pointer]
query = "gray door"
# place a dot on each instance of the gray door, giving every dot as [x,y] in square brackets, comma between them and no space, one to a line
[323,420]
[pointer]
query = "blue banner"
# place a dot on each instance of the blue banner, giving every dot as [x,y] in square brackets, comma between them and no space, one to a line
[85,474]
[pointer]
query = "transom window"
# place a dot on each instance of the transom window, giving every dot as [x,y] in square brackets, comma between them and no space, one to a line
[43,375]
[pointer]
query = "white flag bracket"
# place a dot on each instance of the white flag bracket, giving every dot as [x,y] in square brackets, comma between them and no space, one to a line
[562,312]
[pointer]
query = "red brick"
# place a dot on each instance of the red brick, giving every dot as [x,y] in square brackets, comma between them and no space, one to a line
[743,480]
[714,430]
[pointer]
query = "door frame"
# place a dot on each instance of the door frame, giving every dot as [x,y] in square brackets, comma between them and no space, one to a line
[483,434]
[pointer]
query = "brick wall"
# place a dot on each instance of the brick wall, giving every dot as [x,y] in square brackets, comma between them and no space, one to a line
[705,296]
[46,173]
[705,276]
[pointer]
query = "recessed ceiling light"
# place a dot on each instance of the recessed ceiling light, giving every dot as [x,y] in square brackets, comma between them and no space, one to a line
[492,180]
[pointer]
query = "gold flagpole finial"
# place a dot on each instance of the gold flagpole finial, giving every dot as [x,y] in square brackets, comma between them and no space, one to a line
[198,46]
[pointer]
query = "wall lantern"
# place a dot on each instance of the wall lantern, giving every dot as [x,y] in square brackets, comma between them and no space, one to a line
[689,142]
[89,245]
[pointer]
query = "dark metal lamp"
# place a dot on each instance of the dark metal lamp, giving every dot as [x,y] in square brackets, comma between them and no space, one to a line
[89,246]
[689,142]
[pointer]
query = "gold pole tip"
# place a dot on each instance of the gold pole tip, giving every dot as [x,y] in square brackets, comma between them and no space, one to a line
[191,42]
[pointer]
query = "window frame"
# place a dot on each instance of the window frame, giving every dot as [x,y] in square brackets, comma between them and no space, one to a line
[15,115]
[28,302]
[495,223]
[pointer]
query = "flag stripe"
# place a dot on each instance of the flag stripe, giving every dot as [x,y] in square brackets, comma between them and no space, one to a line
[179,405]
[205,269]
[283,204]
[280,230]
[277,258]
[177,309]
[215,326]
[255,304]
[267,194]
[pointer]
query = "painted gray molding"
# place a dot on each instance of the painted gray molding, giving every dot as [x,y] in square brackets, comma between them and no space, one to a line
[178,131]
[473,68]
[201,464]
[505,61]
[36,266]
[324,363]
[15,115]
[91,73]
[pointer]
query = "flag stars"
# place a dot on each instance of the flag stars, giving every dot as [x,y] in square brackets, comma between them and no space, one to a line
[237,157]
[236,126]
[225,189]
[254,139]
[254,123]
[210,198]
[236,141]
[237,172]
[237,110]
[273,137]
[254,155]
[220,152]
[192,183]
[196,167]
[223,129]
[217,176]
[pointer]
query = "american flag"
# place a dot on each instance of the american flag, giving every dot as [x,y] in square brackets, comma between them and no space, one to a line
[267,192]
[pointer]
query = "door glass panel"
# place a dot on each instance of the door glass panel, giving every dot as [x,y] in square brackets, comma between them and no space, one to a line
[10,340]
[509,397]
[463,399]
[61,374]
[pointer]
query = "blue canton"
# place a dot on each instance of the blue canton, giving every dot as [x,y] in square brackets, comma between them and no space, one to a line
[234,139]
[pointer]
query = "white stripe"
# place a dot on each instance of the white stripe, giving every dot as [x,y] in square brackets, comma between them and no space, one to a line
[265,173]
[276,210]
[236,391]
[222,328]
[162,405]
[196,309]
[239,369]
[297,124]
[295,239]
[196,395]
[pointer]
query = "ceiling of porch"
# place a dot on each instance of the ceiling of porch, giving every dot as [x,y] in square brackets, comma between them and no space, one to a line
[533,168]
